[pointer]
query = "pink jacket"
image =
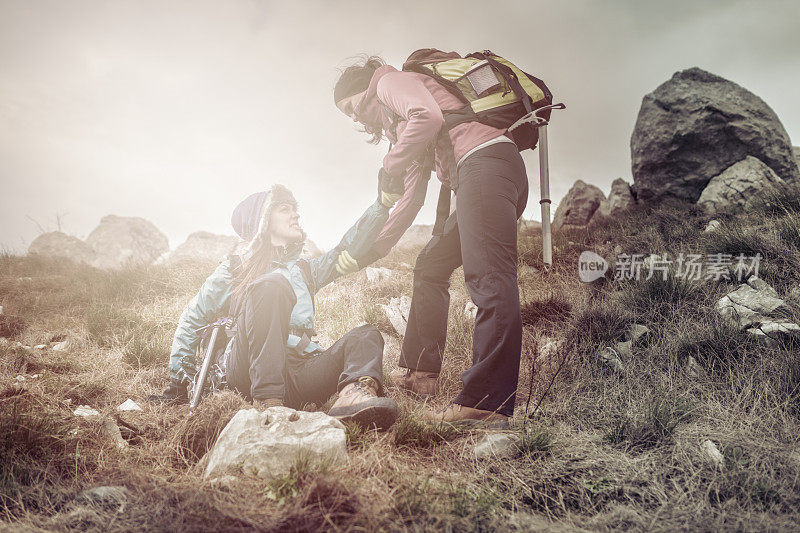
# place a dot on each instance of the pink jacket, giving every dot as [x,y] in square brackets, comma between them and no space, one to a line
[417,101]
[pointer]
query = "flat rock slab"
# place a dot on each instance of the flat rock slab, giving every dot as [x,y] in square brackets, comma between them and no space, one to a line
[751,303]
[495,445]
[268,443]
[397,311]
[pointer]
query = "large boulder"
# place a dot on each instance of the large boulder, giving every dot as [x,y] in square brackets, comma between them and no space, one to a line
[620,199]
[119,241]
[696,125]
[267,443]
[578,206]
[204,246]
[58,244]
[738,186]
[796,154]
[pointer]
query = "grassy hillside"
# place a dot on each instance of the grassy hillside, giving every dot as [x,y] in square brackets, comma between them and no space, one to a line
[599,450]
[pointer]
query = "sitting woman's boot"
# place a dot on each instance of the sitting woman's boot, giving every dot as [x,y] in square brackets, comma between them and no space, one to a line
[175,394]
[359,402]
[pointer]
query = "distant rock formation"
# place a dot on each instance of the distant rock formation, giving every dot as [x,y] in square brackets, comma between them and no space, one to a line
[416,236]
[696,125]
[620,199]
[578,206]
[119,241]
[203,246]
[58,244]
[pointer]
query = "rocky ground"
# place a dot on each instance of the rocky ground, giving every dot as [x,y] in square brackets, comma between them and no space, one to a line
[663,395]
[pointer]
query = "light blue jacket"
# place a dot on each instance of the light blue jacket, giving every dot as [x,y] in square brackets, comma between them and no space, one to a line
[212,301]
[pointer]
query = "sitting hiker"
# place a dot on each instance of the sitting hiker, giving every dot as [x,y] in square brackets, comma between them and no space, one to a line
[268,290]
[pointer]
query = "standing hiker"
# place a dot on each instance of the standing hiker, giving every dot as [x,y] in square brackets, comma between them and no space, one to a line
[268,290]
[484,168]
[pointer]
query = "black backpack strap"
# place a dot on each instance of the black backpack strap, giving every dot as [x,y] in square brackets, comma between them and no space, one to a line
[442,209]
[235,266]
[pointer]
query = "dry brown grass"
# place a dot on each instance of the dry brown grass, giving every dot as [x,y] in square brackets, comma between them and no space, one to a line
[600,451]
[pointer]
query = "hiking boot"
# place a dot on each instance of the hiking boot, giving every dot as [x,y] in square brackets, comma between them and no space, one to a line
[461,415]
[359,402]
[266,404]
[176,394]
[417,382]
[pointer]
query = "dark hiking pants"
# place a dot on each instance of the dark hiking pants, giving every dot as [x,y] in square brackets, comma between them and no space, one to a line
[482,235]
[261,366]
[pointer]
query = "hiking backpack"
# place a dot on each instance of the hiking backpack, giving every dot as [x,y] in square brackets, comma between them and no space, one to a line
[493,90]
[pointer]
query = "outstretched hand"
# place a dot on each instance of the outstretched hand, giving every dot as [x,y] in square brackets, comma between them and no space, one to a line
[390,188]
[346,264]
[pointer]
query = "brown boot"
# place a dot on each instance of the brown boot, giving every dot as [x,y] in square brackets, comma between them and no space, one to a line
[359,402]
[461,415]
[266,404]
[418,382]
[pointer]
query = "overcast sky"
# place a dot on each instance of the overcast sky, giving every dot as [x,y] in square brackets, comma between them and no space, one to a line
[174,111]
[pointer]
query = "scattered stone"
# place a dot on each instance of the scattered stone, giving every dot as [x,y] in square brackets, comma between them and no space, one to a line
[578,206]
[712,453]
[752,303]
[636,332]
[203,246]
[111,430]
[268,443]
[20,378]
[397,311]
[85,410]
[775,332]
[1,309]
[697,124]
[4,342]
[470,310]
[713,225]
[624,349]
[617,250]
[693,368]
[620,199]
[738,186]
[108,496]
[58,244]
[40,347]
[611,358]
[62,346]
[129,405]
[378,274]
[495,445]
[119,241]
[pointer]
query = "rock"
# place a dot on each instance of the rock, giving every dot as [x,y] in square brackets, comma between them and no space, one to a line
[203,246]
[693,368]
[713,225]
[495,445]
[20,378]
[611,358]
[120,241]
[268,443]
[58,244]
[775,332]
[528,226]
[624,349]
[397,311]
[108,496]
[129,405]
[578,206]
[751,303]
[1,309]
[738,186]
[311,250]
[416,236]
[40,347]
[470,310]
[111,430]
[378,274]
[62,346]
[796,154]
[619,200]
[712,453]
[85,410]
[636,332]
[696,125]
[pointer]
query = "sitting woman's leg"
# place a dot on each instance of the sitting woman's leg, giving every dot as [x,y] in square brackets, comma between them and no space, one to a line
[353,367]
[256,368]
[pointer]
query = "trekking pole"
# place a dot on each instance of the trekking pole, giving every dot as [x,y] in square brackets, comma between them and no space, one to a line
[200,380]
[544,176]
